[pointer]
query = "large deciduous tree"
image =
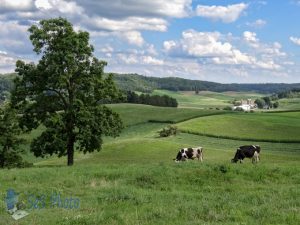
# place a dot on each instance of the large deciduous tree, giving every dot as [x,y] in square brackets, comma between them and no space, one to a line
[64,92]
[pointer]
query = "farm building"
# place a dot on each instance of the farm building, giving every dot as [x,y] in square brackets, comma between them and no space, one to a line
[246,105]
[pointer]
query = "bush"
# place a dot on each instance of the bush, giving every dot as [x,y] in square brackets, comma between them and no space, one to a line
[168,131]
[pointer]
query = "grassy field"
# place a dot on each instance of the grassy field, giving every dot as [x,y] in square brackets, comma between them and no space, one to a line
[133,114]
[289,104]
[207,99]
[134,180]
[252,126]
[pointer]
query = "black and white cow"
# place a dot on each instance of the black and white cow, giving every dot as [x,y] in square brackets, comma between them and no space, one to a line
[189,153]
[247,151]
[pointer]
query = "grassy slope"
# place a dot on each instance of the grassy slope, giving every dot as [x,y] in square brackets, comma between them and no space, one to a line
[289,104]
[207,99]
[136,113]
[133,180]
[271,126]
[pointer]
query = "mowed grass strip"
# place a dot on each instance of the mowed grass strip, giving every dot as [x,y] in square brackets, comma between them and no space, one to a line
[274,127]
[133,114]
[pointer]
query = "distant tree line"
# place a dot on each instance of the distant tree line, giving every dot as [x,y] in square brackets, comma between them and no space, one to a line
[294,93]
[135,82]
[156,100]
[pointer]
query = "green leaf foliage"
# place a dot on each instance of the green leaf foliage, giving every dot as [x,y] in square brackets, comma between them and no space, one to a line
[64,92]
[9,140]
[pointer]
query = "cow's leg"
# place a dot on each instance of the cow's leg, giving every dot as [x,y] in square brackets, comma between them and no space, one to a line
[255,157]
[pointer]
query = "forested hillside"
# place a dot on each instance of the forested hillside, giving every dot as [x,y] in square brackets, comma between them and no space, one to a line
[147,84]
[135,82]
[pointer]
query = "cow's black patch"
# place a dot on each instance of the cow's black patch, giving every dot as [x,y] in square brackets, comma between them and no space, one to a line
[190,153]
[246,151]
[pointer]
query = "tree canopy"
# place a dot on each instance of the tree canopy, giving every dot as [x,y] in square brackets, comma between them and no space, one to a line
[64,91]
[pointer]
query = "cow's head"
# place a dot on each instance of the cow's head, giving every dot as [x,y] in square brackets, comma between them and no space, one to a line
[237,156]
[181,156]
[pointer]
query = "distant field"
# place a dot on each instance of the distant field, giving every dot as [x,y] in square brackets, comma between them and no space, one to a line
[289,104]
[257,126]
[207,99]
[136,113]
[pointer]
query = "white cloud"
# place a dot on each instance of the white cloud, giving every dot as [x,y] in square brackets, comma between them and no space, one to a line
[257,24]
[137,8]
[7,62]
[200,44]
[16,5]
[151,50]
[226,14]
[151,60]
[295,40]
[133,37]
[128,24]
[213,48]
[251,39]
[43,4]
[136,58]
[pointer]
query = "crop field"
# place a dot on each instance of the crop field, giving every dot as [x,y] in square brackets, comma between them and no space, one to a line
[134,180]
[207,99]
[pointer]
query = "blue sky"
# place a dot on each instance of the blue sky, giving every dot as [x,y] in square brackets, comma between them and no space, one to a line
[231,41]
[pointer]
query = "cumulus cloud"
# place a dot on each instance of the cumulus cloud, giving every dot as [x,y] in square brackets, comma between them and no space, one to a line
[295,40]
[213,48]
[251,39]
[266,50]
[226,14]
[204,45]
[133,37]
[133,58]
[257,24]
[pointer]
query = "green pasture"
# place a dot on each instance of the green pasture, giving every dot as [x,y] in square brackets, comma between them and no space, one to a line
[134,180]
[136,113]
[207,99]
[289,104]
[274,127]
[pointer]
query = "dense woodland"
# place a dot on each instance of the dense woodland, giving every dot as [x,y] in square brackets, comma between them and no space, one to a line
[155,100]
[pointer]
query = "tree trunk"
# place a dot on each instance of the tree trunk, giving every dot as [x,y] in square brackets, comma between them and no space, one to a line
[70,150]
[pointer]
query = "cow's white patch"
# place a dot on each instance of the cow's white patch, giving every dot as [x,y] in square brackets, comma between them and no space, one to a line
[255,157]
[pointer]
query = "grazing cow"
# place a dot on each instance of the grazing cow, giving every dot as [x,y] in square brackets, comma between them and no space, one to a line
[247,151]
[189,153]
